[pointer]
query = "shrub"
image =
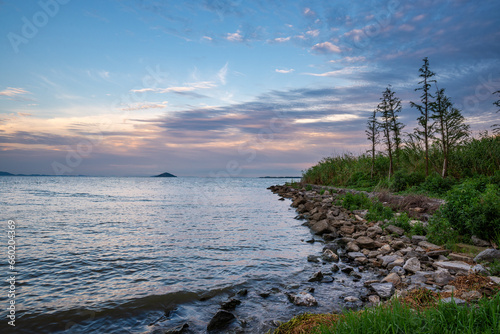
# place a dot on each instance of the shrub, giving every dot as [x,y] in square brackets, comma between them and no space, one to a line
[378,211]
[355,201]
[403,180]
[402,221]
[473,207]
[435,184]
[440,231]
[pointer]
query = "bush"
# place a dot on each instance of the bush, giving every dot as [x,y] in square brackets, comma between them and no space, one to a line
[435,184]
[403,180]
[378,212]
[440,231]
[402,221]
[355,201]
[473,208]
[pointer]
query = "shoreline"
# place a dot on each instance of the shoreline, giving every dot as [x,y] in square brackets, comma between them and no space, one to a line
[402,264]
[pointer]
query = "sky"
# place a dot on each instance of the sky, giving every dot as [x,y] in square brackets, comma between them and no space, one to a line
[226,88]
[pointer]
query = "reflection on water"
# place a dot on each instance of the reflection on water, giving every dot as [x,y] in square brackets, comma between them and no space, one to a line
[115,243]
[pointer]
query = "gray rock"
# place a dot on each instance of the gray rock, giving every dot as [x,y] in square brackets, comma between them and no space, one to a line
[398,270]
[374,299]
[316,277]
[436,254]
[428,245]
[398,244]
[313,258]
[355,274]
[330,256]
[442,276]
[420,277]
[472,295]
[479,269]
[392,278]
[230,304]
[479,242]
[454,265]
[177,330]
[418,238]
[494,279]
[351,299]
[365,242]
[442,258]
[383,290]
[457,301]
[354,255]
[347,270]
[394,230]
[388,259]
[220,320]
[399,262]
[335,268]
[321,227]
[352,247]
[412,265]
[385,249]
[302,299]
[488,255]
[327,279]
[374,230]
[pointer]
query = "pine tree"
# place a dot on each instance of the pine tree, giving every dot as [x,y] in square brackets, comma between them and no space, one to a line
[425,133]
[496,127]
[450,126]
[373,134]
[389,107]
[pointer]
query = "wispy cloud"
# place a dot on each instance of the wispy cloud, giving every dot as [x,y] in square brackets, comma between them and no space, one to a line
[222,74]
[281,39]
[285,71]
[234,37]
[145,106]
[14,93]
[326,47]
[178,89]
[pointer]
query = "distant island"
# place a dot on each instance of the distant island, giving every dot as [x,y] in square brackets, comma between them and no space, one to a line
[10,174]
[280,177]
[165,175]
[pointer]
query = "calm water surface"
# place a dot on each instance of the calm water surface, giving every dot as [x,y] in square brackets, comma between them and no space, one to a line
[113,255]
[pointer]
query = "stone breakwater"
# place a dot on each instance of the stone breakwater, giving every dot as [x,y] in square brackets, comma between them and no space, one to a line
[402,263]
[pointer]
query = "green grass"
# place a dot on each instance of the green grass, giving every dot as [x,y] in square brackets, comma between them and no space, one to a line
[396,318]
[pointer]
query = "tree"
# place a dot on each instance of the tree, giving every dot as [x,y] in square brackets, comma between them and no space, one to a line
[373,134]
[425,133]
[450,126]
[496,127]
[389,107]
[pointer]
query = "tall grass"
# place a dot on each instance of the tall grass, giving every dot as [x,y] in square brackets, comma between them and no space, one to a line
[478,156]
[400,318]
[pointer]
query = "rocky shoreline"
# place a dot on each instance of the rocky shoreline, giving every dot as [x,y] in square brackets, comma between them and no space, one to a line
[402,263]
[377,256]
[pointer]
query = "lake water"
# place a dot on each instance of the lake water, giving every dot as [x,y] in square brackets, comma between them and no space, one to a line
[114,255]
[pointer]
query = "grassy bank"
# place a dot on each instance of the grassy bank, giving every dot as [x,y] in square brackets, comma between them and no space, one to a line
[398,316]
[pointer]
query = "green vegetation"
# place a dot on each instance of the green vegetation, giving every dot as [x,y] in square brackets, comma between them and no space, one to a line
[398,317]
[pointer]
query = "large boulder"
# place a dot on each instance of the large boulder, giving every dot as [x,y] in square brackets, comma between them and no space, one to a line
[321,227]
[488,255]
[220,320]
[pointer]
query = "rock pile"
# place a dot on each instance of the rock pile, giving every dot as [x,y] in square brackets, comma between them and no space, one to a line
[403,263]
